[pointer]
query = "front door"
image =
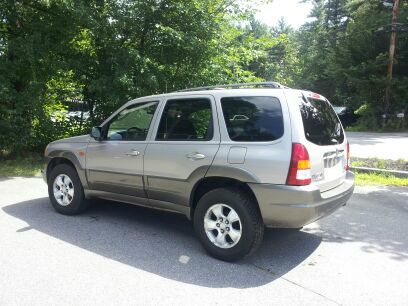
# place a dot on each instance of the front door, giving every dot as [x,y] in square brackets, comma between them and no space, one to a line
[115,164]
[183,148]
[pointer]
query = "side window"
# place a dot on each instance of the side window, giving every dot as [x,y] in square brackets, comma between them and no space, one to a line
[253,118]
[186,119]
[132,123]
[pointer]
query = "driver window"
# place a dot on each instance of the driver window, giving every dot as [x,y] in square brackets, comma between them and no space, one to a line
[132,123]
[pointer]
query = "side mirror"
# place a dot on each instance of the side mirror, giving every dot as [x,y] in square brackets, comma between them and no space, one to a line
[96,132]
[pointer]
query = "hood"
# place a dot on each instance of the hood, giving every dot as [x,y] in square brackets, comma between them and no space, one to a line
[76,139]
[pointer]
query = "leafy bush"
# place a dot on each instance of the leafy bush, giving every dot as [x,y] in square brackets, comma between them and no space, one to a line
[371,119]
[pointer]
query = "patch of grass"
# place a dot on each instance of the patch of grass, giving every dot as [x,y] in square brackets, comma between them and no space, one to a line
[388,164]
[364,179]
[358,163]
[362,128]
[21,166]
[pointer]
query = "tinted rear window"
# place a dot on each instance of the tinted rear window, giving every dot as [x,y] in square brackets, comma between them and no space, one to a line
[186,120]
[320,122]
[253,118]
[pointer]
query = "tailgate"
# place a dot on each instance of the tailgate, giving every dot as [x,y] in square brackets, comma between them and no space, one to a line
[328,165]
[325,142]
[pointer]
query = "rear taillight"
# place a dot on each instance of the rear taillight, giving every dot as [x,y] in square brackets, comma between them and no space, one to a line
[348,157]
[299,170]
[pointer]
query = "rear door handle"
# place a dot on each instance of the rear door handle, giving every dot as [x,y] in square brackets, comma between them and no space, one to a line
[195,156]
[133,153]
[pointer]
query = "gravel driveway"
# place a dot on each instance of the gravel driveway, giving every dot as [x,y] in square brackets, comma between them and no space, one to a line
[120,254]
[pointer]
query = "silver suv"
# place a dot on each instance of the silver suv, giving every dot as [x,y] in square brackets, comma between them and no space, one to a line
[232,158]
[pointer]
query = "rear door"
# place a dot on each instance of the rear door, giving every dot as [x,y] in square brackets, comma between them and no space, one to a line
[182,149]
[325,141]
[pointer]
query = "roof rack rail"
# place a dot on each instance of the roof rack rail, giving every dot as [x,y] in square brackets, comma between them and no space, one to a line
[236,86]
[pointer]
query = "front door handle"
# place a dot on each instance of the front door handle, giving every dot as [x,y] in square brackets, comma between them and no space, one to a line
[195,156]
[133,153]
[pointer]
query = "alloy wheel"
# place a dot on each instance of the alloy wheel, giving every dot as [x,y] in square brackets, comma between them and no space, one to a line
[63,189]
[222,226]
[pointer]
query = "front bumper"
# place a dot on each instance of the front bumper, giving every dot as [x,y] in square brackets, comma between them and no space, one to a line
[295,206]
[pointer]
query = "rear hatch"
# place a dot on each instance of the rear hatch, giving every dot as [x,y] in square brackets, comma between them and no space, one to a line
[325,141]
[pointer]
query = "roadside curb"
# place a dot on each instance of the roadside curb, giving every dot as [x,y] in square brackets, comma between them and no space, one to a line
[397,173]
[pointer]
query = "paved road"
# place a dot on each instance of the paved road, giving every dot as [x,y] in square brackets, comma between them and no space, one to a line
[380,145]
[120,254]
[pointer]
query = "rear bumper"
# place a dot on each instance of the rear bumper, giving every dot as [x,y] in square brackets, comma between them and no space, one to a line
[295,206]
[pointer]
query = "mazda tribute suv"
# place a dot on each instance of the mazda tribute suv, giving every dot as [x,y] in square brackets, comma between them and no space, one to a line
[232,158]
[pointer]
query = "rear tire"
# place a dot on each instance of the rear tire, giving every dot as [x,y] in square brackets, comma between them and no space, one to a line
[65,190]
[214,224]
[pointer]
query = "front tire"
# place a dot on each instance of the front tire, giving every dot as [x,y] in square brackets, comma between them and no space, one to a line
[65,190]
[228,224]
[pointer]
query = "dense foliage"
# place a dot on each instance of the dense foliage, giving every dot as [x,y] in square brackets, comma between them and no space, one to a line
[106,52]
[345,56]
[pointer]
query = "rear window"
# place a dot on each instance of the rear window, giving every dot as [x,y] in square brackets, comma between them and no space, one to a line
[186,120]
[322,127]
[253,118]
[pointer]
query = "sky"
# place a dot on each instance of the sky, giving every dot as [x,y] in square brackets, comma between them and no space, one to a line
[295,13]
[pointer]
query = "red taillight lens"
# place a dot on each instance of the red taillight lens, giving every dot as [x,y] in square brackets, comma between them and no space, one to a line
[299,169]
[348,157]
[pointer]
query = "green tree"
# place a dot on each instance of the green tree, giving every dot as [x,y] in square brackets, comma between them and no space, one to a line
[345,55]
[106,52]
